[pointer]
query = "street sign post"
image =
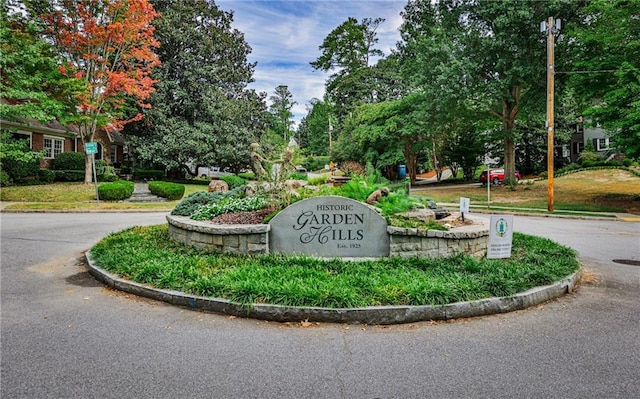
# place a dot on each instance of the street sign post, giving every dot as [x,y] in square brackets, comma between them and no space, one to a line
[91,148]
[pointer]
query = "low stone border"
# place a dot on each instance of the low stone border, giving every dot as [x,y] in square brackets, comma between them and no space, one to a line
[369,315]
[248,239]
[253,239]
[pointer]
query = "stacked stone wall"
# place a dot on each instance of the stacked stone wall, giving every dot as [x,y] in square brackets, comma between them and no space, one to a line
[405,242]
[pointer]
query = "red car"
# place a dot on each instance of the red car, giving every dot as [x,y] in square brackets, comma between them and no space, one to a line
[497,176]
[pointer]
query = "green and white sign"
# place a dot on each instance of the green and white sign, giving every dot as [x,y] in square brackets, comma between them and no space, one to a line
[500,236]
[91,148]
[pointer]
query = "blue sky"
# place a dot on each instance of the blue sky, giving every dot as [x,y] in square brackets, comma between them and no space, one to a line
[285,36]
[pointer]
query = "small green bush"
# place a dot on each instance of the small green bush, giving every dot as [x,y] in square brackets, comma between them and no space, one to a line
[69,161]
[170,191]
[247,175]
[196,200]
[141,174]
[4,178]
[627,162]
[233,181]
[316,181]
[17,160]
[227,205]
[69,175]
[297,176]
[46,175]
[352,168]
[115,191]
[316,163]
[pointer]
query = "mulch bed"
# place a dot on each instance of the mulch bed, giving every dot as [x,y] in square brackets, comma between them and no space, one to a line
[254,217]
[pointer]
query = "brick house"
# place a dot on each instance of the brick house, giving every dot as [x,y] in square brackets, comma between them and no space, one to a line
[53,138]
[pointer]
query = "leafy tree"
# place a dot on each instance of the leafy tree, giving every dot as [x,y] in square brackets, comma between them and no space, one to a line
[386,134]
[314,128]
[281,105]
[489,52]
[16,158]
[31,84]
[348,50]
[202,112]
[606,62]
[107,45]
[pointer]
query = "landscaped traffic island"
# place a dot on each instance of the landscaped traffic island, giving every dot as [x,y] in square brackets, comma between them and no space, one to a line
[332,227]
[145,261]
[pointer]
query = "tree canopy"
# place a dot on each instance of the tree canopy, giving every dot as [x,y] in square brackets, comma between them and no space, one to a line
[202,113]
[108,46]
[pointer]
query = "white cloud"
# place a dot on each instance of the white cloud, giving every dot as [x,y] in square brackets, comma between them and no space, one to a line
[285,36]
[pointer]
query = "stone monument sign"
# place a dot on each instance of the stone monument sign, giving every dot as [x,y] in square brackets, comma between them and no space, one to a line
[329,227]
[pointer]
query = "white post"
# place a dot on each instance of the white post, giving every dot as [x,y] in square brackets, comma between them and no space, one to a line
[488,185]
[95,176]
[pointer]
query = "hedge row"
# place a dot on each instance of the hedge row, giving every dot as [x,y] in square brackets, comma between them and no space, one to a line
[115,191]
[233,181]
[170,191]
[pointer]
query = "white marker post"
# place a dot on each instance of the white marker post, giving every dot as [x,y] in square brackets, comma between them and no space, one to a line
[464,206]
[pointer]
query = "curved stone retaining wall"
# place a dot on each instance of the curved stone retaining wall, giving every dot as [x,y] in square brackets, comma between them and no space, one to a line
[470,240]
[254,239]
[250,239]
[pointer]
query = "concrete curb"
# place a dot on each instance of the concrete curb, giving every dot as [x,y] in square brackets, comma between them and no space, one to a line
[370,315]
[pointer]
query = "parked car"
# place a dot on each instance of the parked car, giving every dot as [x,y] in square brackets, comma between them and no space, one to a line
[497,176]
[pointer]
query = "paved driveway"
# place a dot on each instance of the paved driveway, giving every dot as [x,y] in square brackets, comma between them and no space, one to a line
[63,335]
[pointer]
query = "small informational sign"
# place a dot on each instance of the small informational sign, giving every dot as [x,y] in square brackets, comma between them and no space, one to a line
[464,205]
[91,148]
[500,236]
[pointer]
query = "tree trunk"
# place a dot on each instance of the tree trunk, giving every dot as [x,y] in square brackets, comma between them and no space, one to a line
[411,160]
[88,169]
[509,114]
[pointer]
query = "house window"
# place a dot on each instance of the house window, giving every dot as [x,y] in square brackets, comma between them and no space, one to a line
[602,144]
[52,147]
[113,154]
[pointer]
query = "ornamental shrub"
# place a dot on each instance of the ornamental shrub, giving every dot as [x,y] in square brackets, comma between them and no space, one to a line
[69,161]
[247,175]
[46,175]
[170,191]
[233,181]
[316,163]
[17,160]
[228,205]
[69,175]
[115,191]
[196,200]
[4,178]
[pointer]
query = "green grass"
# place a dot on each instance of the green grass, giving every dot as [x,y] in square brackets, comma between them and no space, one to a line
[147,255]
[606,190]
[76,196]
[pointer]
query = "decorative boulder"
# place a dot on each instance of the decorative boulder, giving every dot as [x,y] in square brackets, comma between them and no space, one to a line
[218,186]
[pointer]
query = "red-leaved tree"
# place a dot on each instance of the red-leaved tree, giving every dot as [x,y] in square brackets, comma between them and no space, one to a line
[108,45]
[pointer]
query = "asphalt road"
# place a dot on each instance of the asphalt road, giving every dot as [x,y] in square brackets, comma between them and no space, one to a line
[63,335]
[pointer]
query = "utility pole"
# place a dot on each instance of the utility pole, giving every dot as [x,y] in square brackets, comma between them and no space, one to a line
[550,27]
